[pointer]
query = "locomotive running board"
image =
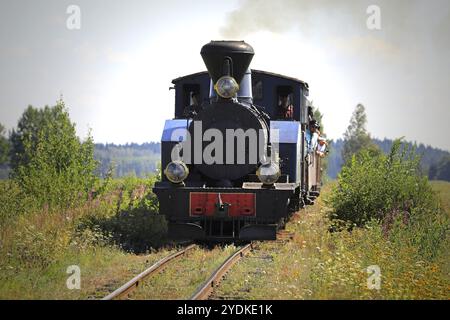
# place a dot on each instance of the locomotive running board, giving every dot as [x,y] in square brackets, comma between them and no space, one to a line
[276,186]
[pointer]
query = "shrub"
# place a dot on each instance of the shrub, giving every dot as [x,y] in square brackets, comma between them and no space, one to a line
[135,225]
[138,228]
[13,201]
[373,185]
[390,190]
[49,162]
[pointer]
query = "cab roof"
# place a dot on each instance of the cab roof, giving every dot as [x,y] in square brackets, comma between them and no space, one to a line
[254,71]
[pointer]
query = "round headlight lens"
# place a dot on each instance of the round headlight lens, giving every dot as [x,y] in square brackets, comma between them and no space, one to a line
[226,87]
[176,171]
[268,173]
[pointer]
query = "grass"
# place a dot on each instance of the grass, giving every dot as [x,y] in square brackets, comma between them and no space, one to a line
[318,264]
[101,269]
[37,246]
[106,238]
[443,189]
[36,249]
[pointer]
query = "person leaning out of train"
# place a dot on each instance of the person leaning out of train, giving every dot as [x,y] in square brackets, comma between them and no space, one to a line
[285,108]
[315,133]
[308,134]
[322,147]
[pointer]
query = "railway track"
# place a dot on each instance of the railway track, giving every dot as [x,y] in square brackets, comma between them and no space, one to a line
[203,292]
[131,285]
[207,288]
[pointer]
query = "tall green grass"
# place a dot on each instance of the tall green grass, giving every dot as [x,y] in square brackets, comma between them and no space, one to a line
[380,213]
[391,191]
[37,242]
[394,219]
[319,264]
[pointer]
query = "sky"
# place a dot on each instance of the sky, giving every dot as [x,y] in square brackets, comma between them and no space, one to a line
[114,72]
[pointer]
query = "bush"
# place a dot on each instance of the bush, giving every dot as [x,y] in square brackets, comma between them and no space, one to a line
[138,228]
[49,162]
[135,225]
[389,190]
[13,202]
[373,185]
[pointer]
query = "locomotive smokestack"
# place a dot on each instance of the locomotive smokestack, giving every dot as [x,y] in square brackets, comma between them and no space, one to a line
[229,58]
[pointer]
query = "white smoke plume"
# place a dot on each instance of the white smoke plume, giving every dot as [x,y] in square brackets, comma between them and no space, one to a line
[401,69]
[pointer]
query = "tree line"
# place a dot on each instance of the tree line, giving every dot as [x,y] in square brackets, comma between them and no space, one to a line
[434,162]
[135,159]
[130,159]
[388,192]
[143,159]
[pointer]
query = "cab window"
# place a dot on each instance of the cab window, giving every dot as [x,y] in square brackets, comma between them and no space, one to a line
[191,94]
[284,103]
[257,89]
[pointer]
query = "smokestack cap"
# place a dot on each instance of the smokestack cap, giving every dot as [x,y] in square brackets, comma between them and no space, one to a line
[215,53]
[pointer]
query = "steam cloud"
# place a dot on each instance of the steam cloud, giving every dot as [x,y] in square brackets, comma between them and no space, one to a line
[406,62]
[310,17]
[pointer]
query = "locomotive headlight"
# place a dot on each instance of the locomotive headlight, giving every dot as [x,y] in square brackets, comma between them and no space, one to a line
[176,171]
[268,173]
[226,87]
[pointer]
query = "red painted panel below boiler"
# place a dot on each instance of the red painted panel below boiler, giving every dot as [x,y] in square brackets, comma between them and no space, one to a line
[204,203]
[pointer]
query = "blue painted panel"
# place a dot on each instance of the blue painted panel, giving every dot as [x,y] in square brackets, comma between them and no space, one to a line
[290,143]
[288,131]
[175,130]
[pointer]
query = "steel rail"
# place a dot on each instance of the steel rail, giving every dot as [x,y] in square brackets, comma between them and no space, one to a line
[206,289]
[134,283]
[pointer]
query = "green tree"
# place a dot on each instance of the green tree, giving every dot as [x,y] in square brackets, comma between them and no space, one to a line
[31,122]
[356,137]
[4,146]
[49,161]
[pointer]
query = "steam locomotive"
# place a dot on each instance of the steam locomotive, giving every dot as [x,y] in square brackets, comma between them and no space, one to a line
[233,168]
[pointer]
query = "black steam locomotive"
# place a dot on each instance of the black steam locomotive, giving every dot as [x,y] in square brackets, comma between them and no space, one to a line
[235,167]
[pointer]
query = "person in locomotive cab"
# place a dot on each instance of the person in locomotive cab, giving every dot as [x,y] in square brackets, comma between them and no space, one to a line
[194,106]
[285,108]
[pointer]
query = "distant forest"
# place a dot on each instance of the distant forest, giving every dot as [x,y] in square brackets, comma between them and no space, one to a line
[128,159]
[143,159]
[435,162]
